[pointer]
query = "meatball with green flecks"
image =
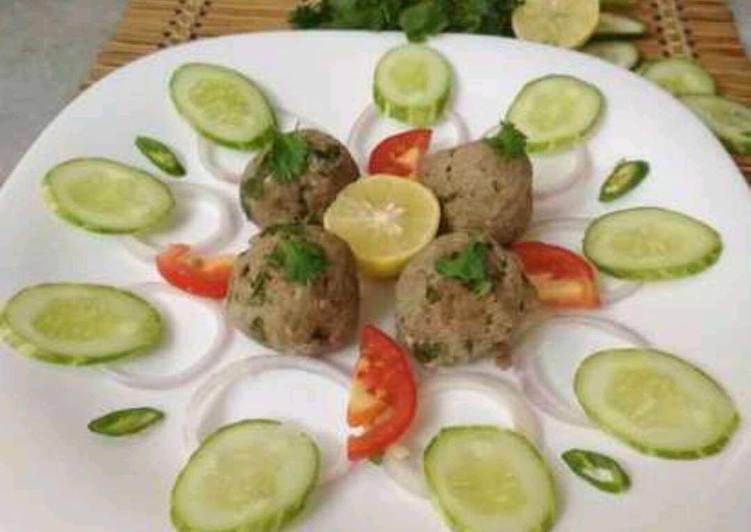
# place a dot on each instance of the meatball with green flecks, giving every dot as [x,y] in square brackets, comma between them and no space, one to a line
[460,299]
[295,289]
[295,178]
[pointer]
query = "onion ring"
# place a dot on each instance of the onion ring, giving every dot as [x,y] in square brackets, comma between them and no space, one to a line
[536,387]
[252,366]
[403,461]
[123,375]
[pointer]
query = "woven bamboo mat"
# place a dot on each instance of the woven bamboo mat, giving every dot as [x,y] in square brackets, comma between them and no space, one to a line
[702,29]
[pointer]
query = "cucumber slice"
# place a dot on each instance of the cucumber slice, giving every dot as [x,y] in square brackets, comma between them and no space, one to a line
[222,105]
[651,244]
[679,76]
[626,176]
[105,196]
[656,403]
[482,477]
[729,120]
[78,324]
[555,112]
[251,476]
[622,53]
[412,84]
[612,25]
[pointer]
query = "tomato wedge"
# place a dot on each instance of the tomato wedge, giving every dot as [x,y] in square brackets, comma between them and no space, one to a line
[383,399]
[195,273]
[400,154]
[562,278]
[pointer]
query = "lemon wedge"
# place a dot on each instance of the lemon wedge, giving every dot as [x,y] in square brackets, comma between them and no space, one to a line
[386,220]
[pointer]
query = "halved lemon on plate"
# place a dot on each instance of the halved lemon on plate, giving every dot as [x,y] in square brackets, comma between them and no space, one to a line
[565,23]
[386,220]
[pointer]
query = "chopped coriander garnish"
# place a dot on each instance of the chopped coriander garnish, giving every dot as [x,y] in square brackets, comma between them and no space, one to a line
[258,287]
[288,156]
[423,19]
[509,141]
[469,266]
[427,352]
[432,295]
[300,261]
[292,228]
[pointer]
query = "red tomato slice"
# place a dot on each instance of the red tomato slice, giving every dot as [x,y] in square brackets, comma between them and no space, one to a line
[400,154]
[195,273]
[562,278]
[384,396]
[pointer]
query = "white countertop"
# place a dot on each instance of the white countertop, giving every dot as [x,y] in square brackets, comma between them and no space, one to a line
[48,46]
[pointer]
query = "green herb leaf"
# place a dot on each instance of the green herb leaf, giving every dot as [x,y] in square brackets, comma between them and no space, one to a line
[376,459]
[423,19]
[509,141]
[469,267]
[290,228]
[258,288]
[427,352]
[300,261]
[288,156]
[599,470]
[257,330]
[432,295]
[126,422]
[160,155]
[307,16]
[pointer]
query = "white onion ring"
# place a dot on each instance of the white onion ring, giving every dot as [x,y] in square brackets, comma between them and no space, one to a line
[557,172]
[207,150]
[250,367]
[213,309]
[403,462]
[611,288]
[537,388]
[360,148]
[221,234]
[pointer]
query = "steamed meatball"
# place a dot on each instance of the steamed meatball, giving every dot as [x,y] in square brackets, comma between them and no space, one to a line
[481,190]
[295,289]
[447,314]
[329,168]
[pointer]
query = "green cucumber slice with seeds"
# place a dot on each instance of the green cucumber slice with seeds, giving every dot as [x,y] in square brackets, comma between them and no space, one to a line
[222,105]
[126,422]
[482,477]
[106,196]
[160,155]
[656,403]
[729,120]
[613,25]
[621,53]
[79,324]
[600,470]
[679,76]
[252,476]
[412,84]
[625,177]
[555,112]
[651,244]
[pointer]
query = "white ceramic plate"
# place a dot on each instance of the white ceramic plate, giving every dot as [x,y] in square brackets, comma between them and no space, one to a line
[55,475]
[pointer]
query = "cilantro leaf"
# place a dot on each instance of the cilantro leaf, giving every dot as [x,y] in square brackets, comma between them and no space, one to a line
[509,141]
[423,19]
[469,266]
[308,16]
[288,156]
[300,261]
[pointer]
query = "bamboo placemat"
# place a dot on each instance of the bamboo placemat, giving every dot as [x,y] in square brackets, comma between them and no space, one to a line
[702,29]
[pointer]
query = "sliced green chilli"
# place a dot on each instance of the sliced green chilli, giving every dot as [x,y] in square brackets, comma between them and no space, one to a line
[729,120]
[106,196]
[79,324]
[656,403]
[482,477]
[412,84]
[679,76]
[613,25]
[126,422]
[622,53]
[555,112]
[222,105]
[601,471]
[160,155]
[252,476]
[625,177]
[651,244]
